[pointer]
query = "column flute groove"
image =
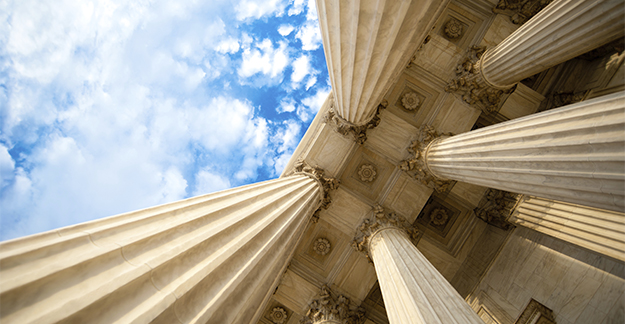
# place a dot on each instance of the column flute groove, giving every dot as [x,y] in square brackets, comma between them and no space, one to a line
[207,259]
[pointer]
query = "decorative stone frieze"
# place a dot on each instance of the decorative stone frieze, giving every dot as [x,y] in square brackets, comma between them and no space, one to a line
[379,221]
[520,11]
[454,29]
[278,315]
[411,101]
[322,246]
[336,310]
[471,85]
[345,128]
[367,172]
[417,165]
[495,208]
[327,183]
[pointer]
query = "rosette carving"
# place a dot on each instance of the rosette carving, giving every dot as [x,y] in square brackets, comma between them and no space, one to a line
[345,128]
[322,246]
[378,221]
[327,183]
[411,101]
[367,172]
[417,167]
[453,28]
[471,85]
[334,309]
[278,315]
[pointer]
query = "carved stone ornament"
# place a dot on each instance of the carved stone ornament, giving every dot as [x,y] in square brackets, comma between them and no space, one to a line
[345,128]
[496,206]
[559,99]
[326,308]
[520,11]
[454,29]
[328,184]
[411,101]
[537,313]
[471,86]
[278,315]
[378,221]
[417,165]
[321,246]
[439,217]
[367,172]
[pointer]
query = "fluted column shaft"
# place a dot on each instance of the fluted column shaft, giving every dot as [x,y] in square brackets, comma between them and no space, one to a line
[209,259]
[559,32]
[413,290]
[574,154]
[595,229]
[367,44]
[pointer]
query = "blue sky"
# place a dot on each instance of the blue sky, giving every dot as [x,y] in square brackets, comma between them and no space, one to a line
[109,106]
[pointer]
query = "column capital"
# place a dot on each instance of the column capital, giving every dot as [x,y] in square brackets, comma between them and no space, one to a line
[326,309]
[496,206]
[472,85]
[417,166]
[378,222]
[520,12]
[326,184]
[346,128]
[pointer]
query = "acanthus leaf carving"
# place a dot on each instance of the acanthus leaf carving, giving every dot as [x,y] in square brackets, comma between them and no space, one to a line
[417,167]
[327,308]
[495,207]
[520,11]
[378,221]
[327,184]
[471,86]
[345,128]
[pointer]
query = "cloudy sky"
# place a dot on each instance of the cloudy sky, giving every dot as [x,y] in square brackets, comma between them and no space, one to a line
[109,106]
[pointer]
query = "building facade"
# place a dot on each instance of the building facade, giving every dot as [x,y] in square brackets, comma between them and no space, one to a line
[468,167]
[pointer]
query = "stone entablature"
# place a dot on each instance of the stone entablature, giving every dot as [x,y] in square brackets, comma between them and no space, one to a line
[326,309]
[378,222]
[345,128]
[417,167]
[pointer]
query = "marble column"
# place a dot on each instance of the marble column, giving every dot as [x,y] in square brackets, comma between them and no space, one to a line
[598,230]
[214,258]
[559,32]
[367,44]
[413,290]
[574,154]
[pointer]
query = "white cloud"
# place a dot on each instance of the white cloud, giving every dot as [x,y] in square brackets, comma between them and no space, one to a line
[207,182]
[301,68]
[288,138]
[286,105]
[297,6]
[311,82]
[310,105]
[258,8]
[7,166]
[309,35]
[285,30]
[264,59]
[229,46]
